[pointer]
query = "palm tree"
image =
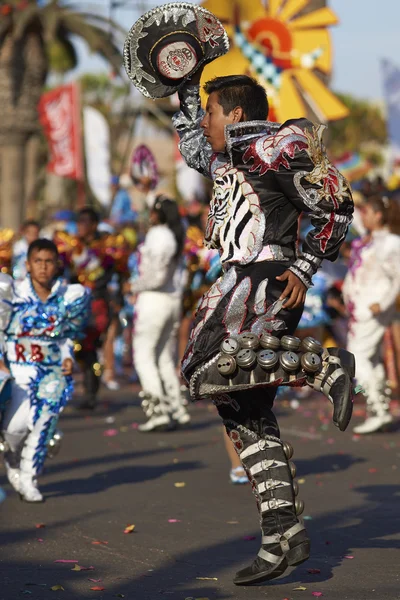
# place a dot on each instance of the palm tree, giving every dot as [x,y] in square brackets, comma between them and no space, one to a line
[31,34]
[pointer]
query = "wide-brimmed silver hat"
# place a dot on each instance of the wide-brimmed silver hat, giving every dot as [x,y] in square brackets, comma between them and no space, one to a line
[168,44]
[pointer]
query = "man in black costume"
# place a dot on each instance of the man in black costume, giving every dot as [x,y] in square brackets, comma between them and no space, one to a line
[265,175]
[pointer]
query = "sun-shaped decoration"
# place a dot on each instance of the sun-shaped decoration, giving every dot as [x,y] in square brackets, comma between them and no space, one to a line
[284,51]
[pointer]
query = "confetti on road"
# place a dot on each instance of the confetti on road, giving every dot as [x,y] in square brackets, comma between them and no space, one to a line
[97,543]
[314,571]
[94,580]
[110,432]
[174,521]
[349,557]
[317,594]
[207,578]
[62,560]
[40,525]
[301,588]
[40,540]
[78,568]
[57,588]
[179,484]
[129,528]
[97,588]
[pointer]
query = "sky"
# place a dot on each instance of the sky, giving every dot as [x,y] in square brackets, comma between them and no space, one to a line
[368,31]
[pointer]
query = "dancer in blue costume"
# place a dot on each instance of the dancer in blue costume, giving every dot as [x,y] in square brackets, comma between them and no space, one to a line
[39,319]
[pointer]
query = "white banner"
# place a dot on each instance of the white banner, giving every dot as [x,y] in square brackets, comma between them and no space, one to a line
[97,150]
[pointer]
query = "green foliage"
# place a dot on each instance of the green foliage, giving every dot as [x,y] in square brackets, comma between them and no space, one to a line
[364,127]
[101,91]
[56,22]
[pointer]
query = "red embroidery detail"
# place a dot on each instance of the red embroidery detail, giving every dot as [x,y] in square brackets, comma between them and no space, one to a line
[19,351]
[239,445]
[36,353]
[234,435]
[268,151]
[325,235]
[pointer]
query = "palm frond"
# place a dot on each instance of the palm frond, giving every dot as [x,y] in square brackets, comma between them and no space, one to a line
[24,19]
[50,16]
[99,40]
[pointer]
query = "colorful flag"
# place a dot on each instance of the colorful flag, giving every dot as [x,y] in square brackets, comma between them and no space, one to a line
[59,112]
[97,151]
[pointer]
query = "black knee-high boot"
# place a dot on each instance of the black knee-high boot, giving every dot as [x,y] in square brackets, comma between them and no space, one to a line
[284,539]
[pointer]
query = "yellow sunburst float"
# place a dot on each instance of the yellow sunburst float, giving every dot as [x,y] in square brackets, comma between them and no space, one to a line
[284,51]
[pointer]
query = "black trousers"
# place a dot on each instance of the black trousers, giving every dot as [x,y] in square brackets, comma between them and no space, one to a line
[253,410]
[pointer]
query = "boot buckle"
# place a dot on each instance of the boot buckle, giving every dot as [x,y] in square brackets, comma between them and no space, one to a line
[284,544]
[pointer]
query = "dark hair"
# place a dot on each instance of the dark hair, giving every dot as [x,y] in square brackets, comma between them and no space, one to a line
[390,210]
[42,244]
[243,91]
[168,214]
[30,223]
[91,213]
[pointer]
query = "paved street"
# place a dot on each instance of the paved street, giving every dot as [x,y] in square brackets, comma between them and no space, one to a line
[189,539]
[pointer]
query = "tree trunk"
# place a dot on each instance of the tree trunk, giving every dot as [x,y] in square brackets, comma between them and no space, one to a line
[12,183]
[32,166]
[23,67]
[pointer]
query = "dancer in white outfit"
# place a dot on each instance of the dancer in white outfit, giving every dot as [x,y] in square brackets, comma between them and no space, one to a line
[370,290]
[39,319]
[158,312]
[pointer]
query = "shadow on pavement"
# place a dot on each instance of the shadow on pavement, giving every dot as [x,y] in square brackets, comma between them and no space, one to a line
[333,538]
[100,482]
[327,463]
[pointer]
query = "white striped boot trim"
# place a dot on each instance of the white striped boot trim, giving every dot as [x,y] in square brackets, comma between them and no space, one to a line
[319,379]
[326,388]
[274,504]
[264,465]
[269,557]
[272,484]
[260,445]
[276,537]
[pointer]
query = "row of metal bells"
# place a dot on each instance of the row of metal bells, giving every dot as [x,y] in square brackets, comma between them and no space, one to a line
[241,352]
[234,344]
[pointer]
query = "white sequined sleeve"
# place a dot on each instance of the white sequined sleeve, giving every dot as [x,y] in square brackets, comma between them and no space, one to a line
[77,301]
[6,296]
[156,257]
[193,146]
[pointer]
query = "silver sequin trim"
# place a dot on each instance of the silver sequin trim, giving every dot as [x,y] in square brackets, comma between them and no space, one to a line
[307,282]
[312,259]
[240,133]
[304,266]
[193,146]
[260,300]
[237,310]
